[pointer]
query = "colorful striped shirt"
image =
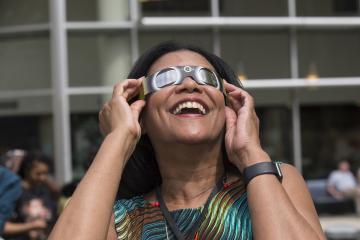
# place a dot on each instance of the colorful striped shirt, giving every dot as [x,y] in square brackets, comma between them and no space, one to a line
[228,217]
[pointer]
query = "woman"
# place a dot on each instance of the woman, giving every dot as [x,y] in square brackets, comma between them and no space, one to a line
[198,134]
[35,211]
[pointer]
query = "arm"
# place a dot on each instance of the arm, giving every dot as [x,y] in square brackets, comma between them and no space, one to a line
[20,228]
[333,192]
[331,187]
[10,191]
[53,187]
[87,216]
[278,211]
[111,231]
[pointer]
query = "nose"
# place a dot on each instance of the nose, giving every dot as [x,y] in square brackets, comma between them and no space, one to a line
[188,85]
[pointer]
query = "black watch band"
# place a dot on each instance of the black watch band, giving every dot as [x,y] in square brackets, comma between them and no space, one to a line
[262,168]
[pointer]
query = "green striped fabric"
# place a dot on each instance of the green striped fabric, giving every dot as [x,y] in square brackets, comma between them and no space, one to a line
[228,218]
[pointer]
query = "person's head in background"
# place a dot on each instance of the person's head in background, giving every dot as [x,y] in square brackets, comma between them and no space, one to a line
[344,166]
[13,159]
[142,173]
[34,169]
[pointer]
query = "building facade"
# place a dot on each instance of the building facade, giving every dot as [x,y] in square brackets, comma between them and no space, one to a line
[300,59]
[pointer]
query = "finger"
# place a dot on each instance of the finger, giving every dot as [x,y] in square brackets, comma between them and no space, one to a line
[243,97]
[133,89]
[229,87]
[136,108]
[102,125]
[230,118]
[236,102]
[121,87]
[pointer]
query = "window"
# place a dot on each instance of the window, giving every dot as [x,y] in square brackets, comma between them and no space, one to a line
[98,59]
[331,53]
[253,8]
[25,62]
[97,10]
[257,54]
[328,8]
[330,133]
[20,12]
[276,132]
[148,39]
[176,8]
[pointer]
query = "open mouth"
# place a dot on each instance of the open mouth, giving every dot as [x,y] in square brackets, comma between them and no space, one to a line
[189,107]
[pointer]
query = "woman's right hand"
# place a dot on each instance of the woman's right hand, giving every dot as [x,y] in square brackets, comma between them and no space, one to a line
[117,114]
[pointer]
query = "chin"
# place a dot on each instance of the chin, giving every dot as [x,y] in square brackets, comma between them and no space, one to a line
[196,138]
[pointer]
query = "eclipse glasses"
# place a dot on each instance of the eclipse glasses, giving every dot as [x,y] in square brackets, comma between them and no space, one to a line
[176,75]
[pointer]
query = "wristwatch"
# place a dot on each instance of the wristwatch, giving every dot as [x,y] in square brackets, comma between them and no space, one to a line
[262,168]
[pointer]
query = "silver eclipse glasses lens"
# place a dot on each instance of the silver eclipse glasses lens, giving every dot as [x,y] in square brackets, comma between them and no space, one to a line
[176,75]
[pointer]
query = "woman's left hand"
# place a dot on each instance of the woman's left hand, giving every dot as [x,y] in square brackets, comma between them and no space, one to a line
[242,129]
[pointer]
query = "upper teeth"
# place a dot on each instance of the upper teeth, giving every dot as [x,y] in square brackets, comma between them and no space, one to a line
[189,104]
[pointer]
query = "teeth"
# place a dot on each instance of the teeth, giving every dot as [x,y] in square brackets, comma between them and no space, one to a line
[189,104]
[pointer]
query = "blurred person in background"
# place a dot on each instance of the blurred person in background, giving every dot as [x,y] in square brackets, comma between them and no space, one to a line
[36,209]
[13,159]
[188,161]
[343,184]
[10,191]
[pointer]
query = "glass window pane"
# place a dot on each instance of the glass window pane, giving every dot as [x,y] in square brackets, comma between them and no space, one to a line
[253,8]
[98,59]
[148,39]
[327,8]
[276,132]
[19,12]
[330,133]
[176,8]
[25,62]
[329,53]
[26,123]
[333,95]
[85,133]
[97,10]
[257,54]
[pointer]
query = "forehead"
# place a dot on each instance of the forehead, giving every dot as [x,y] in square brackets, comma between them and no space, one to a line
[39,165]
[179,58]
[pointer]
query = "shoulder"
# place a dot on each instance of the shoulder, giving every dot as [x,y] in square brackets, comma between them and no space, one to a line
[7,176]
[9,183]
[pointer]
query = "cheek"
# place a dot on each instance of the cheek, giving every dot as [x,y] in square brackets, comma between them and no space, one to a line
[151,113]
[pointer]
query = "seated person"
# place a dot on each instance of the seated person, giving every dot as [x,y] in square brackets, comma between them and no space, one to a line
[342,184]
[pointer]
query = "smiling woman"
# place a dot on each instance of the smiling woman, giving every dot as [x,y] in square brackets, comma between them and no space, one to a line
[185,161]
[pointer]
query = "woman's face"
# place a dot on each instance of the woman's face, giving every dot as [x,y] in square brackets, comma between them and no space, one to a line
[164,124]
[38,173]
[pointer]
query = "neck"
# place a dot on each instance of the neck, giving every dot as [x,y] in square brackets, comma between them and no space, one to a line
[189,173]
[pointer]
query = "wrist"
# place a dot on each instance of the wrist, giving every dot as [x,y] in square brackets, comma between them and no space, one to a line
[262,168]
[250,156]
[126,142]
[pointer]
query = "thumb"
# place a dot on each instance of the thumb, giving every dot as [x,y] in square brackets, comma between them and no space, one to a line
[136,108]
